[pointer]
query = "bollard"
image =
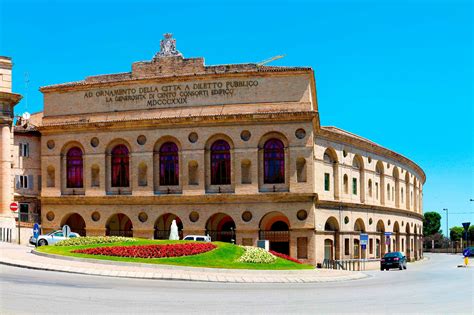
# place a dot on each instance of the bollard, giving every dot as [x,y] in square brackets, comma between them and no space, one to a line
[466,261]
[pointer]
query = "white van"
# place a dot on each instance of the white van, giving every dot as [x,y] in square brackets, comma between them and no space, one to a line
[197,238]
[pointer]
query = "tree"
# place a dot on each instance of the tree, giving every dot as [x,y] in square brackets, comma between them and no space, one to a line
[470,233]
[431,223]
[456,233]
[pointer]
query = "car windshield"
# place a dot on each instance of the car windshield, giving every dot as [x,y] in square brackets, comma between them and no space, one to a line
[391,255]
[188,238]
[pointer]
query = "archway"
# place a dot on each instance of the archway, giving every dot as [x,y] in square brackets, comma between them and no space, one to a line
[221,227]
[119,224]
[275,227]
[396,230]
[359,227]
[163,226]
[76,223]
[332,226]
[407,241]
[381,230]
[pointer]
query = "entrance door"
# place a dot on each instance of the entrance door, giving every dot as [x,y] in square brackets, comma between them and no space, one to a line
[328,249]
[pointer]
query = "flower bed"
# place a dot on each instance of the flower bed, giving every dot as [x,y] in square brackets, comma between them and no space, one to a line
[256,255]
[150,251]
[285,257]
[89,240]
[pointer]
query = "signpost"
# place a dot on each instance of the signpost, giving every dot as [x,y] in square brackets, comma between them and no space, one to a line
[364,239]
[14,208]
[66,230]
[36,230]
[467,251]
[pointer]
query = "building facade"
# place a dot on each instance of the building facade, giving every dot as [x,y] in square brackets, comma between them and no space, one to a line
[233,151]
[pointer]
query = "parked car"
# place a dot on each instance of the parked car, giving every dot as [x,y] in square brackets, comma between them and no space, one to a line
[393,260]
[198,238]
[51,238]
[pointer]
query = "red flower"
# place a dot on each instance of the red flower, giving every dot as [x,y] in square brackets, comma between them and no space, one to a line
[286,257]
[150,251]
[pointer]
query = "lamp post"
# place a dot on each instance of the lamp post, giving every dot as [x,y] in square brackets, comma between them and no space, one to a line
[447,225]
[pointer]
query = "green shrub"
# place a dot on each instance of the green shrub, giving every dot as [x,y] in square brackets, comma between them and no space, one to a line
[89,240]
[256,255]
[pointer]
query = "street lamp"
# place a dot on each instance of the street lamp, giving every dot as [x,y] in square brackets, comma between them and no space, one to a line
[447,218]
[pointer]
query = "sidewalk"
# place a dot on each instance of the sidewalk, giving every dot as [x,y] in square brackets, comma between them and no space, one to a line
[22,256]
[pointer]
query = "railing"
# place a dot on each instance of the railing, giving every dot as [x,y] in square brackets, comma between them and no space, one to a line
[126,233]
[5,234]
[222,236]
[346,264]
[165,234]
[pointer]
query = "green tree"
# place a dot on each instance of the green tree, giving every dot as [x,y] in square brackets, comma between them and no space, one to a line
[470,233]
[431,223]
[456,233]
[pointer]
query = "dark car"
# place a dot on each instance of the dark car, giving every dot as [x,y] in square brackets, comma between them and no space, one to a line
[393,260]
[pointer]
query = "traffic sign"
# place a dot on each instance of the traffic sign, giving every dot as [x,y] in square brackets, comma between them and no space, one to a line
[36,230]
[66,230]
[14,206]
[364,239]
[466,252]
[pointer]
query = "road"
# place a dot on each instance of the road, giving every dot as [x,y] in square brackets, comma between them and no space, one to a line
[428,287]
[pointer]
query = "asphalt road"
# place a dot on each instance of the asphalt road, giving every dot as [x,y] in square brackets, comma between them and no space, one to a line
[430,287]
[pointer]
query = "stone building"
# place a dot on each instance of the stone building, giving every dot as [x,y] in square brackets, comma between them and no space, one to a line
[234,151]
[8,100]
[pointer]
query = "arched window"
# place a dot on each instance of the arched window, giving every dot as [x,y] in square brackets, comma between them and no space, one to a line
[220,163]
[120,167]
[74,167]
[169,164]
[274,162]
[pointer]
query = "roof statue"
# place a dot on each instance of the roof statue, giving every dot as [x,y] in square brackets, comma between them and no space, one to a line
[168,47]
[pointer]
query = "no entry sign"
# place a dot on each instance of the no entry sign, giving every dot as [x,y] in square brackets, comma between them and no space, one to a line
[14,206]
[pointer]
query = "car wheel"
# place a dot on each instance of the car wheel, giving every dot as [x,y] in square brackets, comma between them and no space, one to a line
[42,242]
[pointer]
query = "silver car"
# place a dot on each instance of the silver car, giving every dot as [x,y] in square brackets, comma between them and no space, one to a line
[51,238]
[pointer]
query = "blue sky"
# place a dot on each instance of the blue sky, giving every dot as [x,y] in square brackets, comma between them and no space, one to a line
[399,73]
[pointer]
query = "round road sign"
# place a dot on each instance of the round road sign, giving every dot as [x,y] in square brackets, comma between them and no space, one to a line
[14,206]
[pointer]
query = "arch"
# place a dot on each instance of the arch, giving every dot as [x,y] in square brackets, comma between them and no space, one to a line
[358,164]
[415,194]
[76,222]
[330,157]
[396,231]
[379,171]
[331,224]
[274,161]
[407,188]
[359,225]
[74,168]
[221,227]
[380,228]
[119,224]
[163,226]
[275,227]
[169,164]
[396,177]
[408,241]
[415,247]
[120,166]
[220,163]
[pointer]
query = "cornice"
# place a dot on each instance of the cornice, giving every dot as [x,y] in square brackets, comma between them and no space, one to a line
[371,147]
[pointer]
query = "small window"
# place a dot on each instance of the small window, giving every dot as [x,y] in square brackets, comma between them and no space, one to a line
[22,182]
[346,184]
[371,246]
[326,182]
[346,246]
[370,188]
[200,239]
[24,149]
[377,191]
[354,186]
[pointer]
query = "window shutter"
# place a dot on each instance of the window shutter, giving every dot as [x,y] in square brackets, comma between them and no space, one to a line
[39,182]
[17,181]
[20,152]
[27,149]
[30,182]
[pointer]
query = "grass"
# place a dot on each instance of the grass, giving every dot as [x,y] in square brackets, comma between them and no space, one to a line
[224,256]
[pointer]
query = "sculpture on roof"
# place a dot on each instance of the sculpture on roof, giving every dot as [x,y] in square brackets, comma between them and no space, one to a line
[168,47]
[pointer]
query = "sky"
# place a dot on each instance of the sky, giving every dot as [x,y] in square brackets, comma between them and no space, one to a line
[399,73]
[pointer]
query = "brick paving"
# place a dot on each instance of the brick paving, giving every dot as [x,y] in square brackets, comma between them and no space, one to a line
[24,256]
